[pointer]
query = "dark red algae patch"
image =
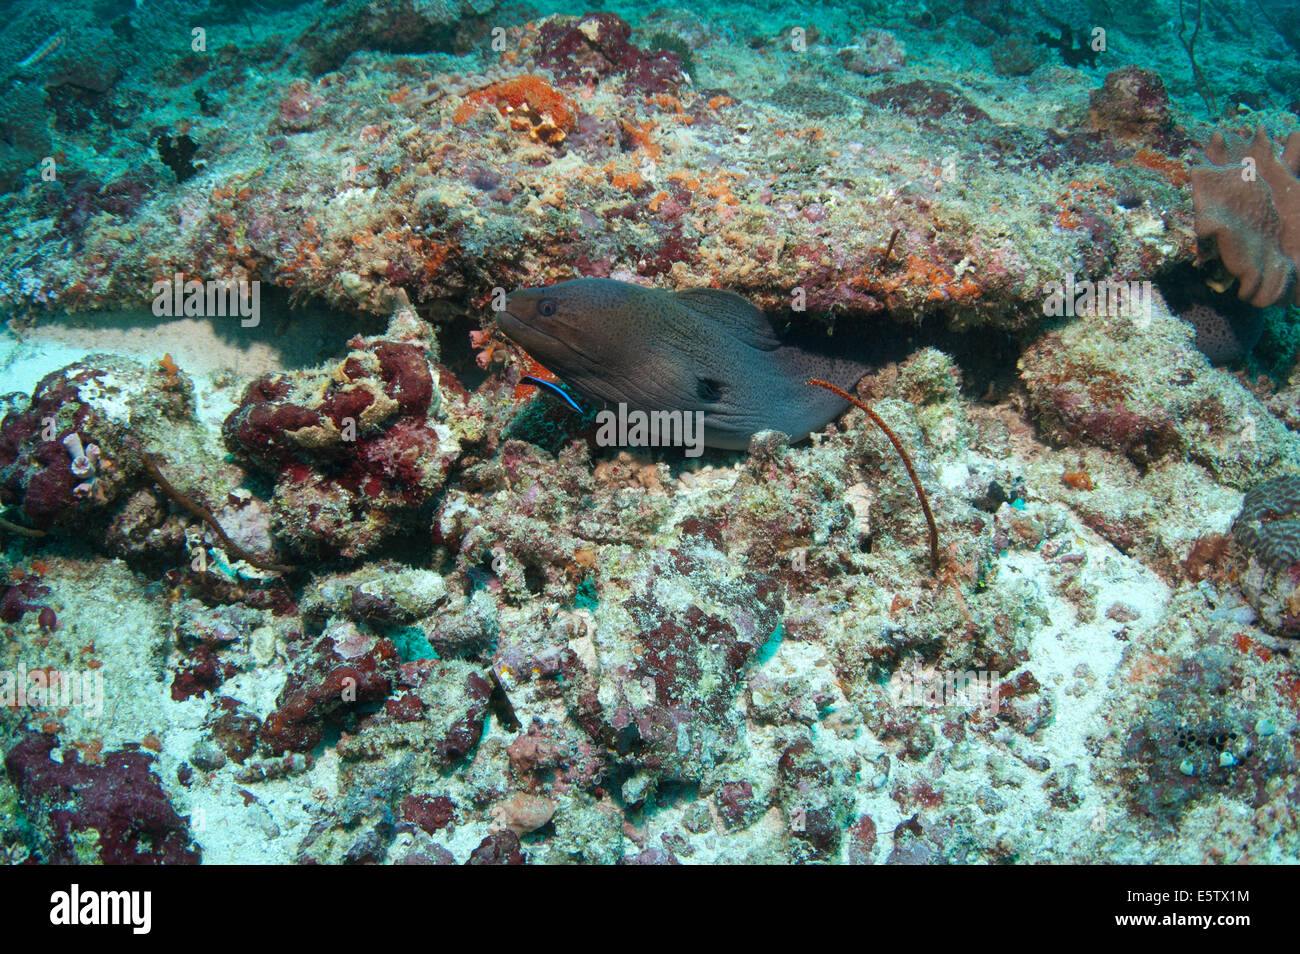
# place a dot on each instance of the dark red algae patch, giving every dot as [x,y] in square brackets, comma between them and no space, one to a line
[431,813]
[599,45]
[22,597]
[326,689]
[498,848]
[34,472]
[922,100]
[121,802]
[205,674]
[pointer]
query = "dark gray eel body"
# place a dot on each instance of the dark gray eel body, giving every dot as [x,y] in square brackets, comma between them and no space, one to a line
[697,350]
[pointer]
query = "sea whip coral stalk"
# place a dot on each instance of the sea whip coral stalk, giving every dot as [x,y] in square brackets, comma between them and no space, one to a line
[907,462]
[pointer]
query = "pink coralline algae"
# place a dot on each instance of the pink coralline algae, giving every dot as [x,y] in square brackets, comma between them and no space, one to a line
[551,755]
[45,470]
[816,796]
[1099,406]
[498,848]
[928,101]
[431,813]
[1247,205]
[342,669]
[437,708]
[76,448]
[355,447]
[22,597]
[299,110]
[669,709]
[1106,382]
[89,197]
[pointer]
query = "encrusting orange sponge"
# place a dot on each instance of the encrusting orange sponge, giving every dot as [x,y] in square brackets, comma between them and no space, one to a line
[530,103]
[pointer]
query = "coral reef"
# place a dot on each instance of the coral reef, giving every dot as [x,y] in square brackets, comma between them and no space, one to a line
[355,590]
[1016,56]
[395,25]
[874,52]
[342,669]
[77,446]
[22,597]
[590,126]
[1132,104]
[597,46]
[529,103]
[1205,723]
[1104,381]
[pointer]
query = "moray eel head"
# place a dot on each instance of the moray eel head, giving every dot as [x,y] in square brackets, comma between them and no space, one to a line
[604,338]
[560,324]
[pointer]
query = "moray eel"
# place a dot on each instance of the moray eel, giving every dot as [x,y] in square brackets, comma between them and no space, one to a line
[702,349]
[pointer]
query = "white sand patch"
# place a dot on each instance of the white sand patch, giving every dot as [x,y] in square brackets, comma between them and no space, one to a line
[218,353]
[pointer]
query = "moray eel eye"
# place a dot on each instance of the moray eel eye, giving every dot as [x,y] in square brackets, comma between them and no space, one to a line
[547,307]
